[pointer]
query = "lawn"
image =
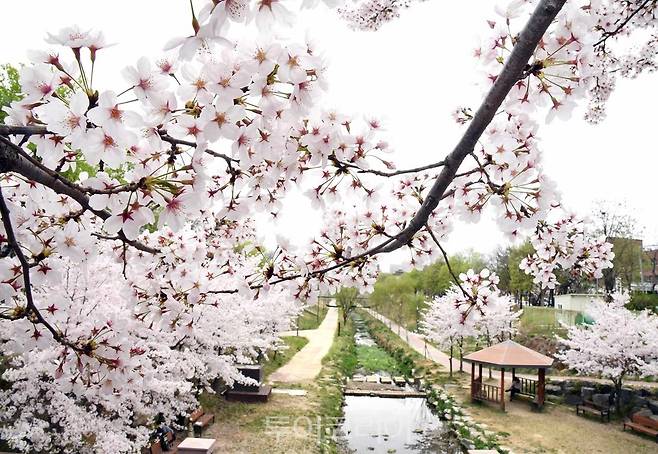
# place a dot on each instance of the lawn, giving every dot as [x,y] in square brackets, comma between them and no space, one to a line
[312,316]
[292,345]
[540,321]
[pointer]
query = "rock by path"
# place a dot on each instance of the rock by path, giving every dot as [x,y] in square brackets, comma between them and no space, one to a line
[306,364]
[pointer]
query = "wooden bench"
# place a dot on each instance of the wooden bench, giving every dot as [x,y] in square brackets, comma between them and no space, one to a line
[156,446]
[587,406]
[643,424]
[201,420]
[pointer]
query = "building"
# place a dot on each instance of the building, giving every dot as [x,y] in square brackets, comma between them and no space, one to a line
[573,308]
[650,268]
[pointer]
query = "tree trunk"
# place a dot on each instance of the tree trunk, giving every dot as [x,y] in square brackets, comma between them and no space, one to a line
[451,356]
[618,385]
[461,357]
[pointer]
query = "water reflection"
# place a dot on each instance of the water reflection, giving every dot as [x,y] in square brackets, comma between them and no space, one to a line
[385,425]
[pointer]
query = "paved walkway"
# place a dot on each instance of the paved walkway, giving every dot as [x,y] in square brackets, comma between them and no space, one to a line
[417,342]
[306,364]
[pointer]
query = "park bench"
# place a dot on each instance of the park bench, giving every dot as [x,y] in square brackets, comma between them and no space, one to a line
[643,424]
[156,446]
[589,407]
[201,420]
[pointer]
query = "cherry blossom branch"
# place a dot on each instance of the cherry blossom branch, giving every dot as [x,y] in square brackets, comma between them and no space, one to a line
[9,130]
[167,138]
[447,261]
[382,173]
[13,159]
[534,30]
[619,28]
[13,244]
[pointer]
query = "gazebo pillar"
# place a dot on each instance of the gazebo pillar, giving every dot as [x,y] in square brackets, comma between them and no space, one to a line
[502,388]
[480,372]
[472,380]
[541,386]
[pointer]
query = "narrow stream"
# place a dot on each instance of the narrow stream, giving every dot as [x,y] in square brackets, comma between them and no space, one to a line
[388,424]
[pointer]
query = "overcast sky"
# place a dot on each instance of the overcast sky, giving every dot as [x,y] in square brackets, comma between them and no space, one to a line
[412,73]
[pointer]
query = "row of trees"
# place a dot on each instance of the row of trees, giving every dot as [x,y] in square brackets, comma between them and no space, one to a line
[403,296]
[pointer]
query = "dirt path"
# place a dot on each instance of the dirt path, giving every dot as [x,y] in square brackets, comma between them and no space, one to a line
[307,363]
[417,342]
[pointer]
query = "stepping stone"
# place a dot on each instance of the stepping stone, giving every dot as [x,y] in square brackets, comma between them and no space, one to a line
[400,381]
[289,392]
[359,378]
[372,379]
[385,380]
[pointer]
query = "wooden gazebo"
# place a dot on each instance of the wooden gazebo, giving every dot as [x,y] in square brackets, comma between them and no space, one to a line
[508,355]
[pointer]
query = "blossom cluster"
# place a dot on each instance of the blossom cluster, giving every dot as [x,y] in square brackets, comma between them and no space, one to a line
[473,307]
[564,244]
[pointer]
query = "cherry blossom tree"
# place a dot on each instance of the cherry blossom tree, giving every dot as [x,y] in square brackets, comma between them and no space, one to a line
[473,307]
[154,183]
[619,343]
[441,325]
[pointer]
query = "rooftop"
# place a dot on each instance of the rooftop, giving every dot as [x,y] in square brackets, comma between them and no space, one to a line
[510,354]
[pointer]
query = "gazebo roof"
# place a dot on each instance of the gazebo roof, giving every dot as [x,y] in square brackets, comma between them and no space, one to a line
[510,354]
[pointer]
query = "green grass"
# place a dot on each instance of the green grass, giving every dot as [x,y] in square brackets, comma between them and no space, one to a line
[278,358]
[375,359]
[540,321]
[340,363]
[310,318]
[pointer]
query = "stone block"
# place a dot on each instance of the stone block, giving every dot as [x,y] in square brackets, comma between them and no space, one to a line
[586,392]
[572,399]
[653,406]
[554,390]
[602,400]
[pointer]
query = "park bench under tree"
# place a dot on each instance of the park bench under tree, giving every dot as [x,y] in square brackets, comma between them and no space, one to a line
[200,420]
[156,446]
[643,424]
[593,408]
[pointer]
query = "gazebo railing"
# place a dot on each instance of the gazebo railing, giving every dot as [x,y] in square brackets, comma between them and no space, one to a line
[528,386]
[482,391]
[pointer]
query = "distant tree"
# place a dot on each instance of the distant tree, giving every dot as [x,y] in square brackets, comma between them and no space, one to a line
[520,283]
[615,221]
[500,264]
[403,297]
[10,88]
[347,298]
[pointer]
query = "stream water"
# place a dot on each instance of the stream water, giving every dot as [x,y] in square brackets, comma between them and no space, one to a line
[392,425]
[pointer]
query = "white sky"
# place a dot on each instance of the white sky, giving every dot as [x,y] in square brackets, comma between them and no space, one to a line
[412,73]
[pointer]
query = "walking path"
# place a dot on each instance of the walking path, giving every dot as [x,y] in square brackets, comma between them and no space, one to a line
[307,363]
[417,342]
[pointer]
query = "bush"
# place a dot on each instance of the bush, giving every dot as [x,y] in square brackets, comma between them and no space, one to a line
[641,301]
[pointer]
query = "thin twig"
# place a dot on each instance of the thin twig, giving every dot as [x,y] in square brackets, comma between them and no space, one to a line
[13,243]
